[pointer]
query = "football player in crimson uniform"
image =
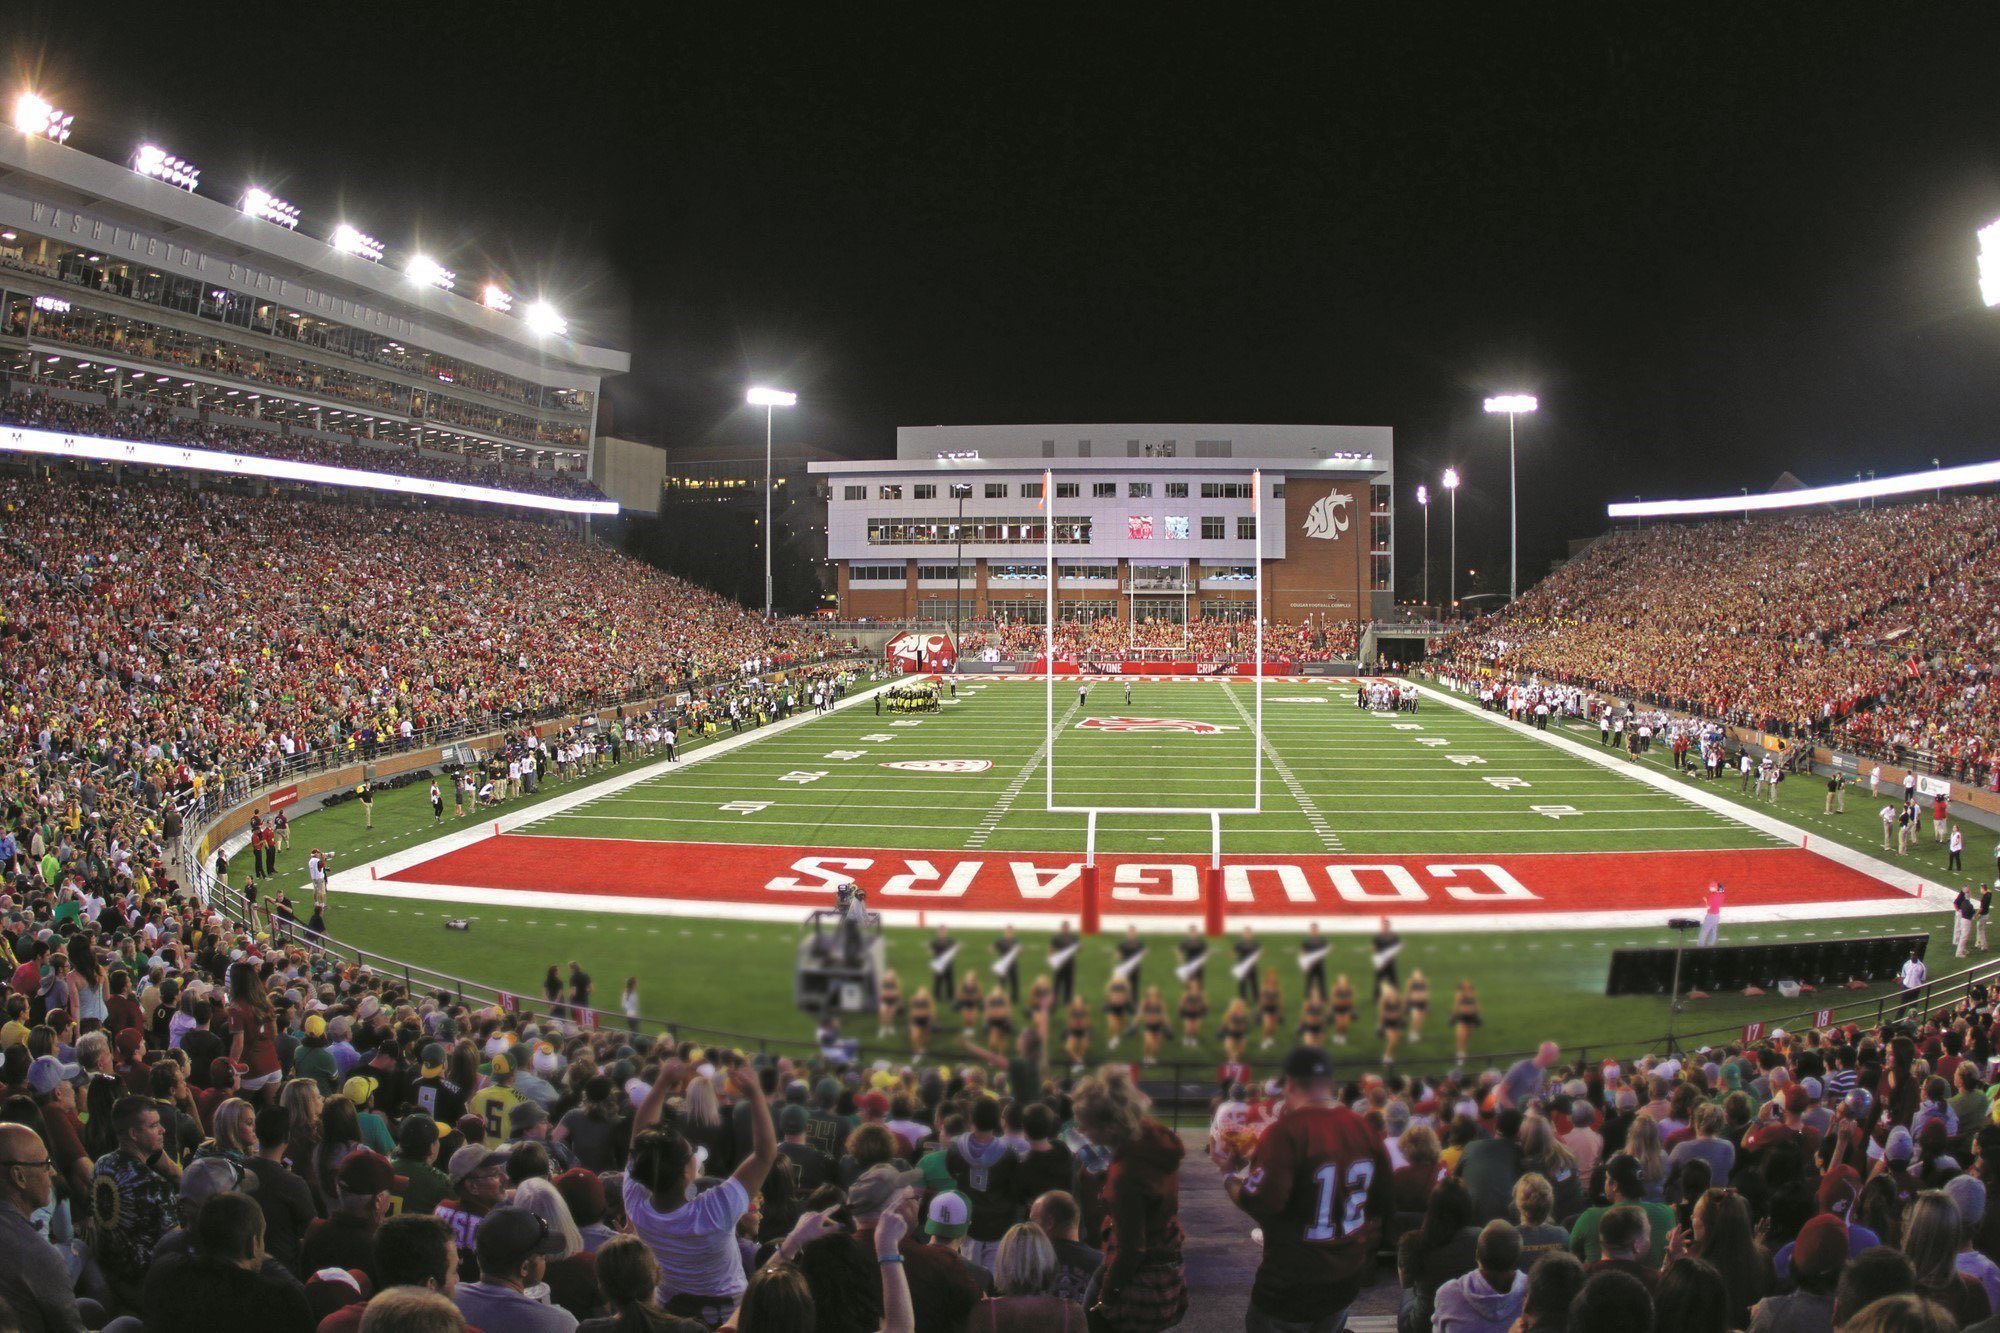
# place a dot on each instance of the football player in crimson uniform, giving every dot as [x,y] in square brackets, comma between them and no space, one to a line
[1318,1182]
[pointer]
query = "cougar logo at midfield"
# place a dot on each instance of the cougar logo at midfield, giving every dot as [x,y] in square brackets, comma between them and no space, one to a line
[1328,518]
[1152,724]
[942,765]
[914,651]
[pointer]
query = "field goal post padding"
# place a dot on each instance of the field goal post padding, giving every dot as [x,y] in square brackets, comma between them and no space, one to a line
[1212,894]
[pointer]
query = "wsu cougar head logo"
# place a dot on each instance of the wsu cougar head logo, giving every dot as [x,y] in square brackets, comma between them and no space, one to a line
[936,649]
[1328,518]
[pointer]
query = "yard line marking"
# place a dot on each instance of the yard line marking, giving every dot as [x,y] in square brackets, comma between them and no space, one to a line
[1307,806]
[976,840]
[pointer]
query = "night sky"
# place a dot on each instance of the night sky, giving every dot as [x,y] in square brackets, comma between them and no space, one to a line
[1719,242]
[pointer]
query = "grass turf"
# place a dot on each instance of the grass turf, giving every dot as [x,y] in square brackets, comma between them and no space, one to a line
[1372,791]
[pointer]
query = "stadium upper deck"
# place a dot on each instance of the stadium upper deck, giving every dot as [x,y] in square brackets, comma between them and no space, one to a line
[119,288]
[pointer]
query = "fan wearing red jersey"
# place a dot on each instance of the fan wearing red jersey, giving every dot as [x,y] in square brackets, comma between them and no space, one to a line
[1318,1182]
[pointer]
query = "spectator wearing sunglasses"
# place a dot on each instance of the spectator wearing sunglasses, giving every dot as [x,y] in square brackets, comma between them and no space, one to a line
[34,1277]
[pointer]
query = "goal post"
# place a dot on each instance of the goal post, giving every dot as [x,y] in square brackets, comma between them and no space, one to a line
[1212,895]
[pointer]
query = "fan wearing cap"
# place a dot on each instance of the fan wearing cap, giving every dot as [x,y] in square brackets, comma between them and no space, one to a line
[693,1236]
[345,1237]
[479,1185]
[514,1249]
[435,1094]
[1319,1183]
[497,1100]
[1817,1256]
[421,1187]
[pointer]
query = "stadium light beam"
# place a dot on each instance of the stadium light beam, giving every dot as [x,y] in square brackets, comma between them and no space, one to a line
[1513,404]
[1865,487]
[155,161]
[263,204]
[495,297]
[767,398]
[427,272]
[35,117]
[1989,262]
[544,321]
[351,240]
[1451,489]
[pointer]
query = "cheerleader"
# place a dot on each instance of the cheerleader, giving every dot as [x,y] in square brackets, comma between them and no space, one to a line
[1153,1016]
[1389,1020]
[1343,1008]
[923,1012]
[1417,1000]
[1194,1008]
[1077,1039]
[1041,995]
[970,1001]
[889,1002]
[1270,1007]
[999,1017]
[1235,1030]
[1117,1010]
[1312,1022]
[1465,1015]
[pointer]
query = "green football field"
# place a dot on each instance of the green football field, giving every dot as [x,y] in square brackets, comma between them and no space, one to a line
[1336,779]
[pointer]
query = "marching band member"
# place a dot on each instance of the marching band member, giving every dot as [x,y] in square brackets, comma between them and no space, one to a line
[1248,951]
[1312,961]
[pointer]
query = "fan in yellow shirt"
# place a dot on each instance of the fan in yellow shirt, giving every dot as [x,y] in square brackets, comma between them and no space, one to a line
[497,1100]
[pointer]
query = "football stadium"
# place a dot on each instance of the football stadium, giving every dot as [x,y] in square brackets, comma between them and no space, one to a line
[491,842]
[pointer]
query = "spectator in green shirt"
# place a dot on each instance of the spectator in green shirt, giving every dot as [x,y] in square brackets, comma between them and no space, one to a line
[313,1060]
[1623,1183]
[375,1135]
[423,1186]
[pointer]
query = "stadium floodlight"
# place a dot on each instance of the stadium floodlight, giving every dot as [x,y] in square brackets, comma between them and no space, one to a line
[33,115]
[1513,404]
[496,297]
[1451,489]
[155,161]
[1989,263]
[427,272]
[1424,503]
[759,396]
[351,240]
[263,204]
[543,321]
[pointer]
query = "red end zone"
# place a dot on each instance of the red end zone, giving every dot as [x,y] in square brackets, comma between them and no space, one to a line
[1050,884]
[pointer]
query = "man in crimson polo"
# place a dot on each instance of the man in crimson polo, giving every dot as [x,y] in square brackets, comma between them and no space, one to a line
[1318,1182]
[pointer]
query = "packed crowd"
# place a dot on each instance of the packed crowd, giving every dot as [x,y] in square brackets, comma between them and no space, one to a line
[160,641]
[149,423]
[201,1127]
[1113,639]
[1867,628]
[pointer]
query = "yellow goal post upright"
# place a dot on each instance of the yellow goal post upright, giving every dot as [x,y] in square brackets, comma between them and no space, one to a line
[1212,913]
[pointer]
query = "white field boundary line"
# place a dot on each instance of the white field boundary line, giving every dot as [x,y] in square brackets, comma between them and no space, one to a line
[488,827]
[1332,918]
[1924,894]
[976,840]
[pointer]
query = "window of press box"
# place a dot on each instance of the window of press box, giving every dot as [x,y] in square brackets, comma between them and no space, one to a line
[1031,490]
[854,492]
[1214,528]
[996,490]
[924,491]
